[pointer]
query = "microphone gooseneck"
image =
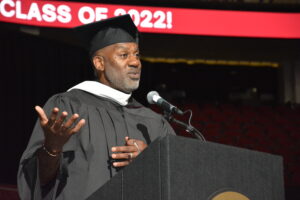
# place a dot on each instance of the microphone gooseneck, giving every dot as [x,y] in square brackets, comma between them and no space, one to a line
[154,98]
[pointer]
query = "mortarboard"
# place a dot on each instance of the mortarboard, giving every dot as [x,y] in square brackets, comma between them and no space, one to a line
[97,35]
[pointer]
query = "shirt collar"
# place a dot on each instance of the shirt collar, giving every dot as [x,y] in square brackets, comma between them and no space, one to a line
[102,90]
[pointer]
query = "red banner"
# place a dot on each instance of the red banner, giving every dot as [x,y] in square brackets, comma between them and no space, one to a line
[154,19]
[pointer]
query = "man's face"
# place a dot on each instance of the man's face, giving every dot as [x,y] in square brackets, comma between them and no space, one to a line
[121,66]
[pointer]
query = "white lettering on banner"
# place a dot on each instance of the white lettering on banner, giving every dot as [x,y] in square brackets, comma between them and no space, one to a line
[147,15]
[101,13]
[135,15]
[88,15]
[3,11]
[119,11]
[34,12]
[147,19]
[86,11]
[49,13]
[169,20]
[160,16]
[64,14]
[19,13]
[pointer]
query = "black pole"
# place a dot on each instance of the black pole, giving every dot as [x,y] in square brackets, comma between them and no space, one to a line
[188,128]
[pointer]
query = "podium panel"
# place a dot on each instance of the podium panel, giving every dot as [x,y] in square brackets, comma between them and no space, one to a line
[176,168]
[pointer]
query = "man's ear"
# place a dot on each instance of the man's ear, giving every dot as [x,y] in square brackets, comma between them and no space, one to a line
[98,62]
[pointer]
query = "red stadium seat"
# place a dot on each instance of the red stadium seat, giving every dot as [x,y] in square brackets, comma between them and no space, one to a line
[9,192]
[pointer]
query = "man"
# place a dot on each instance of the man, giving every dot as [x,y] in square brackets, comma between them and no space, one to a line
[84,136]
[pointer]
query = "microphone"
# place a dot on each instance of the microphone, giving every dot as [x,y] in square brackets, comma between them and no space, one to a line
[154,98]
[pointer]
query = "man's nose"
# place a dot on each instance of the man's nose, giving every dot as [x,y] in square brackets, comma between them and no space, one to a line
[134,61]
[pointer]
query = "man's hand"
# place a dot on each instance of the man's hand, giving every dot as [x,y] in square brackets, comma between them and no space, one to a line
[128,152]
[56,132]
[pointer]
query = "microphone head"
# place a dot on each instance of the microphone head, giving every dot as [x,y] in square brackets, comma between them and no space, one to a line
[150,96]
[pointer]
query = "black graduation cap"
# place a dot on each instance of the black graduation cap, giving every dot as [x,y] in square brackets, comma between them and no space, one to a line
[97,35]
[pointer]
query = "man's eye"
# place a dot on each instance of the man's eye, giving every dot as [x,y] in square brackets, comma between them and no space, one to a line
[137,55]
[124,55]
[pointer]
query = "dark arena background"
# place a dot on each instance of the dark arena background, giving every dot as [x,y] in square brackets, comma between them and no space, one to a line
[243,91]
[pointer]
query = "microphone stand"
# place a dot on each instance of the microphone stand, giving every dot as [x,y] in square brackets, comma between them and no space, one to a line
[189,128]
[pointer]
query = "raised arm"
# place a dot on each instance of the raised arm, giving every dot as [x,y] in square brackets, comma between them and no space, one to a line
[57,131]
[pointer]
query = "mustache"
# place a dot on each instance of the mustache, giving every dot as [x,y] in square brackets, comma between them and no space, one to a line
[134,72]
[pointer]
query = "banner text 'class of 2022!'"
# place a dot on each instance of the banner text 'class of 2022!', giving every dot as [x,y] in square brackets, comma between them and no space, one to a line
[154,19]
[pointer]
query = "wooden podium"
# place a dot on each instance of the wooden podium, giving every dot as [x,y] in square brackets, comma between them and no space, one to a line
[177,168]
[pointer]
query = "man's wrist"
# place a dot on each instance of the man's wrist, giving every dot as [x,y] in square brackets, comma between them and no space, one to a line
[51,152]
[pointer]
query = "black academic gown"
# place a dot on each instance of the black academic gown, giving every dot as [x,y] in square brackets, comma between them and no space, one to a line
[85,160]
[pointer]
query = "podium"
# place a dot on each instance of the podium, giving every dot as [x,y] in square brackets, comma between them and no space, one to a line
[178,168]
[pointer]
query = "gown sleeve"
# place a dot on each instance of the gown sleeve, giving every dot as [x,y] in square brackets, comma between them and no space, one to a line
[28,174]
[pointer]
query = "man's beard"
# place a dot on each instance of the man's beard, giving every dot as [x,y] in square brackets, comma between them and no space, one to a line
[124,84]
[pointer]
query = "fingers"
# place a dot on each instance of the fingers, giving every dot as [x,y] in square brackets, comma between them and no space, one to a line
[138,144]
[70,122]
[66,128]
[127,153]
[125,159]
[130,141]
[59,122]
[125,149]
[121,164]
[53,117]
[41,114]
[128,156]
[78,126]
